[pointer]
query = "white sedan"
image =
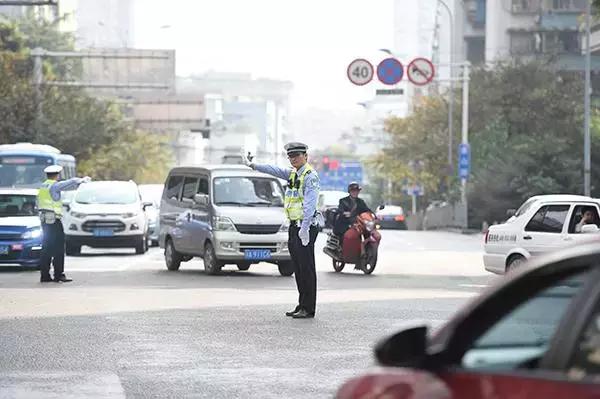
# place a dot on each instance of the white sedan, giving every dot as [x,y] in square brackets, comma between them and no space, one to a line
[542,224]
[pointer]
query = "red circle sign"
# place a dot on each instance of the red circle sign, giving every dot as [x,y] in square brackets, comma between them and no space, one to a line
[420,71]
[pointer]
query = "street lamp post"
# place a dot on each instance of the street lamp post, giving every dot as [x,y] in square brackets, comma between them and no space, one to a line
[451,88]
[587,158]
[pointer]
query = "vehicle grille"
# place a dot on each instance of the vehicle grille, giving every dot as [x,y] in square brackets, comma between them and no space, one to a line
[272,246]
[258,228]
[9,236]
[91,225]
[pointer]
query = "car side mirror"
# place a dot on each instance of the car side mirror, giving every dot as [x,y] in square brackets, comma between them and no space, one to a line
[381,207]
[404,349]
[147,205]
[589,228]
[511,212]
[67,207]
[201,200]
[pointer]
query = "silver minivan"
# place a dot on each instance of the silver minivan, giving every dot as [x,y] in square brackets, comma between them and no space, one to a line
[226,214]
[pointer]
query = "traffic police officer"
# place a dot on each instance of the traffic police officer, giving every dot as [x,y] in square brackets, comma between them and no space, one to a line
[50,207]
[301,210]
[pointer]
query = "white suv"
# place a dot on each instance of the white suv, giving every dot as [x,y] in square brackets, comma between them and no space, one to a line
[106,214]
[543,224]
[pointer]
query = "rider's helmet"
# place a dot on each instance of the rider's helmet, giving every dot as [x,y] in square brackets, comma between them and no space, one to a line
[354,186]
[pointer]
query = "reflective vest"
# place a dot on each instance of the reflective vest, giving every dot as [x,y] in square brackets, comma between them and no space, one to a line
[294,195]
[45,201]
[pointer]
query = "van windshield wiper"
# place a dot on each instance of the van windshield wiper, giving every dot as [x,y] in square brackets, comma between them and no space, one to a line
[230,203]
[258,203]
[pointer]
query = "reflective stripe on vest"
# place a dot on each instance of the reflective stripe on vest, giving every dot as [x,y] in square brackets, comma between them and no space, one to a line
[294,195]
[45,201]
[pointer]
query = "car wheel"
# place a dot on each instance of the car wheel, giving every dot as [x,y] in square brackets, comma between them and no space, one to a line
[338,266]
[142,246]
[286,268]
[243,266]
[172,257]
[72,249]
[515,262]
[211,263]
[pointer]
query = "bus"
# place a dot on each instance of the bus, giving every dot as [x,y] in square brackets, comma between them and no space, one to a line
[23,164]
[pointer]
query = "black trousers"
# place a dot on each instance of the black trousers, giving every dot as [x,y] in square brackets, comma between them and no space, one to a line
[303,259]
[53,249]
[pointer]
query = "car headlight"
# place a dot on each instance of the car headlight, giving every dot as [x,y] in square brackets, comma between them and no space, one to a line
[370,225]
[222,223]
[78,215]
[129,215]
[33,233]
[285,227]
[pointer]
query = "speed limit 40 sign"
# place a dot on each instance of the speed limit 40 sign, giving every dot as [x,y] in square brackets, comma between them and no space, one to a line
[360,72]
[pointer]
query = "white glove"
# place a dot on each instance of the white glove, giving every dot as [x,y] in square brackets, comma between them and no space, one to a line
[304,236]
[246,158]
[86,179]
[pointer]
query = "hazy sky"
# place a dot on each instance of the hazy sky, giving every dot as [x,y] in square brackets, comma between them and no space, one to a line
[309,42]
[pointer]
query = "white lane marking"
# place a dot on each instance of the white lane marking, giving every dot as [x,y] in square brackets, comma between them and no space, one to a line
[60,385]
[473,285]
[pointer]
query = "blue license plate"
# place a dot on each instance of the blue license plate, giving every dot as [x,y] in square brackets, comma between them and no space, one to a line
[103,233]
[257,254]
[4,249]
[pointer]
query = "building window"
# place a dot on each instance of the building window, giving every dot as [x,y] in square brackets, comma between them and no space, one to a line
[522,43]
[526,5]
[567,5]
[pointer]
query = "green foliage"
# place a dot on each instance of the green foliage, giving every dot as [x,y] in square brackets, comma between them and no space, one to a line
[526,133]
[134,155]
[93,130]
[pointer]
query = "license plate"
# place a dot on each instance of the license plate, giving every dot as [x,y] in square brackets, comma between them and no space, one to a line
[4,249]
[257,254]
[103,233]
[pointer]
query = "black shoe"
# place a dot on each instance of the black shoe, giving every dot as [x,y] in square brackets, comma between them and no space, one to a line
[46,280]
[293,312]
[63,279]
[303,314]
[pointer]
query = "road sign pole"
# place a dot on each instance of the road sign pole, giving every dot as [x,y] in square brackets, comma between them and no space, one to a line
[465,136]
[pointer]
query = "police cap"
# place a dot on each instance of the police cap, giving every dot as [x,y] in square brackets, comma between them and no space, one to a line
[295,147]
[53,169]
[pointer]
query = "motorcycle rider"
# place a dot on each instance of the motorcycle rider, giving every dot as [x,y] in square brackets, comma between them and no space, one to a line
[348,208]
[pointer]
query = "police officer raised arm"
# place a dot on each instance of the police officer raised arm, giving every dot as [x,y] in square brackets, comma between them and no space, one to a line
[301,209]
[50,207]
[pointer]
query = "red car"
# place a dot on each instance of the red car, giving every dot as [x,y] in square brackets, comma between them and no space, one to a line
[535,335]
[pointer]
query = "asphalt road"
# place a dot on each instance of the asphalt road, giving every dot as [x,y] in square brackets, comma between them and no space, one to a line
[127,327]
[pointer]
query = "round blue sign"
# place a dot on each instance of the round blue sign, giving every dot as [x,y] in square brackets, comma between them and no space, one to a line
[390,71]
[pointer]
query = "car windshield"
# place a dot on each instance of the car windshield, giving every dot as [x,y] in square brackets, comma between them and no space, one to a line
[525,207]
[17,205]
[107,193]
[247,191]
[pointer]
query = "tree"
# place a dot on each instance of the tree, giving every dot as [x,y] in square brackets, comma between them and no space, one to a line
[525,135]
[134,155]
[93,130]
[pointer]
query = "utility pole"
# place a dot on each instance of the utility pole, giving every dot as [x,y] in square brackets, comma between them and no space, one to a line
[587,157]
[465,134]
[37,84]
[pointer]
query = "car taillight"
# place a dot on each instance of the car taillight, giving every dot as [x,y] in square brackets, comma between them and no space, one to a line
[399,218]
[487,233]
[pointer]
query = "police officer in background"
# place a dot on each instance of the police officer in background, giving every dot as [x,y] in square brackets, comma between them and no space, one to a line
[50,208]
[301,209]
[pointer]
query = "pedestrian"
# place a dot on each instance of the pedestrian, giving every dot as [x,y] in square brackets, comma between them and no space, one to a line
[300,205]
[50,208]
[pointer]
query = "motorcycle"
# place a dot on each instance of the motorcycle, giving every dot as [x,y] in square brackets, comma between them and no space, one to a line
[359,247]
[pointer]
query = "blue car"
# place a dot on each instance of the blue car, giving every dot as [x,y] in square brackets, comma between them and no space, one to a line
[20,229]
